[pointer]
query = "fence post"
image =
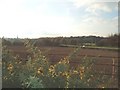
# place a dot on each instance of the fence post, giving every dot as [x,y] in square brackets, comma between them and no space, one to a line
[113,67]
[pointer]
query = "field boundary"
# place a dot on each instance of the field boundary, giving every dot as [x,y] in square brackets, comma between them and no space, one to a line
[102,48]
[92,47]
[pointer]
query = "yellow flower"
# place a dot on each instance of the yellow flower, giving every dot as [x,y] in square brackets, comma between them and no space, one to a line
[10,67]
[75,72]
[5,78]
[66,74]
[65,60]
[81,77]
[59,62]
[54,74]
[82,70]
[40,70]
[51,69]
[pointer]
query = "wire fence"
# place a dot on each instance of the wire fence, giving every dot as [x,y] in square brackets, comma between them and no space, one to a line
[111,65]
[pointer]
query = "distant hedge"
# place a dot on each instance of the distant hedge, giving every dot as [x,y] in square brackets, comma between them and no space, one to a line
[111,41]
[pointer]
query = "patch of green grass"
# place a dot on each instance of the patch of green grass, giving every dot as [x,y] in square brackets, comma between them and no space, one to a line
[97,47]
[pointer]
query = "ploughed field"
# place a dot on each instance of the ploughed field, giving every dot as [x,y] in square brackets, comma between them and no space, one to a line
[105,60]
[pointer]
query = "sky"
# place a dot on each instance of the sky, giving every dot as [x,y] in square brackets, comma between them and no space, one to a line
[52,18]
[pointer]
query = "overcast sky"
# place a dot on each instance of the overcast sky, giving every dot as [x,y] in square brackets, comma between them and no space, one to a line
[51,18]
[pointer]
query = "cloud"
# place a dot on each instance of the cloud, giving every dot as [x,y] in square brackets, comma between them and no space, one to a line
[84,3]
[97,26]
[81,3]
[95,8]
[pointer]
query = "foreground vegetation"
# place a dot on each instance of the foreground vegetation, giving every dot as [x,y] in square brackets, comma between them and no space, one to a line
[39,72]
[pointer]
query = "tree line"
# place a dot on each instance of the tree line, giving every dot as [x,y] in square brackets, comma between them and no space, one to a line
[111,41]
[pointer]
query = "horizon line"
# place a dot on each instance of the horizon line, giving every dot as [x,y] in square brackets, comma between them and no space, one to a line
[52,36]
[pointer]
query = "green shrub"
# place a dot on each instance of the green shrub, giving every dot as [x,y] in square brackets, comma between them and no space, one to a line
[10,70]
